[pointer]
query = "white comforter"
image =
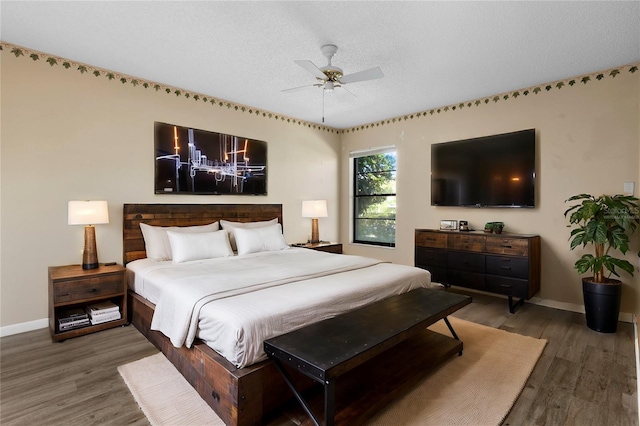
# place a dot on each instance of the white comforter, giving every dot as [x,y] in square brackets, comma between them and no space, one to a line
[234,304]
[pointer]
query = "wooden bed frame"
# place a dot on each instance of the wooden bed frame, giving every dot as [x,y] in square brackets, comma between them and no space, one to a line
[257,394]
[239,396]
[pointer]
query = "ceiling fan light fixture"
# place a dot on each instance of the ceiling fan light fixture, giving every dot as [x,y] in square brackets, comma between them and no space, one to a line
[328,86]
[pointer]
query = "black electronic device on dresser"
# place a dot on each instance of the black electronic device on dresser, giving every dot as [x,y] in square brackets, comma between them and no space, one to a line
[507,264]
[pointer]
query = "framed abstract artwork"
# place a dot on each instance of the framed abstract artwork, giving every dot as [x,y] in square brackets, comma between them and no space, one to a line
[193,161]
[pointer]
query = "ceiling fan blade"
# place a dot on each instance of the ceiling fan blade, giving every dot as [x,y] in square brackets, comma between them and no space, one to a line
[347,90]
[293,89]
[311,69]
[370,74]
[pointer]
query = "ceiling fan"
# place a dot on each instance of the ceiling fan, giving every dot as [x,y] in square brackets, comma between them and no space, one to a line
[331,77]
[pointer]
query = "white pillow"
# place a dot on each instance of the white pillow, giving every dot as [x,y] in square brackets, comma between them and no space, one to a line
[187,246]
[230,226]
[254,240]
[157,243]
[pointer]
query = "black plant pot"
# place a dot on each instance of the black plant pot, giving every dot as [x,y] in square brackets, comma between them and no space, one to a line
[602,304]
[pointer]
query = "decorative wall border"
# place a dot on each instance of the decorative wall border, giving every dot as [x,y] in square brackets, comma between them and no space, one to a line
[52,60]
[558,84]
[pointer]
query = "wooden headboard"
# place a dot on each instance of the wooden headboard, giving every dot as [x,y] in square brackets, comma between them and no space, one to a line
[185,215]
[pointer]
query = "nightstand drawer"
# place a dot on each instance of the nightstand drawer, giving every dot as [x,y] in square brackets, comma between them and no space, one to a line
[87,288]
[329,248]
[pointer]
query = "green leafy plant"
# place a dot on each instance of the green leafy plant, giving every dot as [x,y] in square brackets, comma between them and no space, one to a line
[606,223]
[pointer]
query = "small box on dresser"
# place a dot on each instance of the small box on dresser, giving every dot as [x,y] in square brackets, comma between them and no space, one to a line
[74,288]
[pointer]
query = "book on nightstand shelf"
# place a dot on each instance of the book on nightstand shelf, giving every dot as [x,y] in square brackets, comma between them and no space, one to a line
[69,319]
[103,312]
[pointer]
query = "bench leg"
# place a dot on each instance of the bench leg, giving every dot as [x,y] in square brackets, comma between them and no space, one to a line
[453,333]
[298,396]
[329,402]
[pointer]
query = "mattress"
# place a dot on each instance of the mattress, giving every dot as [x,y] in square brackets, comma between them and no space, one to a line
[233,304]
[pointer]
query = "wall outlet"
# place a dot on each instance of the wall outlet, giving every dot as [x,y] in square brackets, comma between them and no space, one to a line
[629,188]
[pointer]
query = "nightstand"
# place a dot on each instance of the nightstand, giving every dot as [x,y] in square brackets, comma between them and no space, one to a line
[322,246]
[71,287]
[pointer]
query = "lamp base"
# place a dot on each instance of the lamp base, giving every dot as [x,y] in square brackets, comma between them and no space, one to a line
[90,253]
[315,234]
[90,265]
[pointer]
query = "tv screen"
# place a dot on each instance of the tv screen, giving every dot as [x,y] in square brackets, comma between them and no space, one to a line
[490,171]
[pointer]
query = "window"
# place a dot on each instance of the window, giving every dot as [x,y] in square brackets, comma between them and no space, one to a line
[374,197]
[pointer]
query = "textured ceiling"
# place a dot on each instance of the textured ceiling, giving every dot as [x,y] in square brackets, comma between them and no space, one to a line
[432,53]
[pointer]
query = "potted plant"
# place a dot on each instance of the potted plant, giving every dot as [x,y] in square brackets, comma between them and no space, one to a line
[488,227]
[497,227]
[604,223]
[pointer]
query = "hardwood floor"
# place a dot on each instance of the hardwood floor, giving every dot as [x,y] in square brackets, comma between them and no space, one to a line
[582,378]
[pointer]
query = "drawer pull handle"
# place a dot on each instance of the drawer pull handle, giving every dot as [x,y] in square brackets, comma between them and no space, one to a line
[505,245]
[506,268]
[505,285]
[91,290]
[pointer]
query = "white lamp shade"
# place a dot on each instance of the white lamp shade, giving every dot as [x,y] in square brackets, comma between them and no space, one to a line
[314,208]
[88,212]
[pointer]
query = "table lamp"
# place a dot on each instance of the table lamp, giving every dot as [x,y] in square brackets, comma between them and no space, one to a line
[88,213]
[314,209]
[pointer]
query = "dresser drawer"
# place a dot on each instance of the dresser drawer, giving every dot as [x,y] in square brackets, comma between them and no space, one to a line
[432,239]
[516,267]
[471,262]
[508,286]
[87,288]
[467,242]
[430,257]
[510,246]
[466,279]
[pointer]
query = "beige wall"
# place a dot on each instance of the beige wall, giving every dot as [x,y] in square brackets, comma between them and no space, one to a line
[66,136]
[588,140]
[71,136]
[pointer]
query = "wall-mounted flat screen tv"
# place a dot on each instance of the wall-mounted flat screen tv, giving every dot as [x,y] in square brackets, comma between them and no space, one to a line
[490,171]
[192,161]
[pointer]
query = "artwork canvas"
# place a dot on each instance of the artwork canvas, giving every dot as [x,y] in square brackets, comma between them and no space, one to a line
[193,161]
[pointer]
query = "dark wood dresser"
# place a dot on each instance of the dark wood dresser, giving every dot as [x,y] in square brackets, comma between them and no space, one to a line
[507,264]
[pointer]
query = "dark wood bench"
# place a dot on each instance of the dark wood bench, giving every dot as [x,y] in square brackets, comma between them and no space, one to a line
[389,336]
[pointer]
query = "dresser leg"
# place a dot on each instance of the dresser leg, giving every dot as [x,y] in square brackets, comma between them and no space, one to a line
[513,306]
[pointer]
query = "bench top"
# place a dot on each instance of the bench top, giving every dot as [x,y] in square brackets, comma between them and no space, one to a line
[329,348]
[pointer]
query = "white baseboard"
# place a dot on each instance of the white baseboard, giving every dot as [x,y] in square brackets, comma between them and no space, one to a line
[571,307]
[24,327]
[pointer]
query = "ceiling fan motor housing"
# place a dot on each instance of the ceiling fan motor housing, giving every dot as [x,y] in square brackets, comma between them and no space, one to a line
[333,73]
[330,77]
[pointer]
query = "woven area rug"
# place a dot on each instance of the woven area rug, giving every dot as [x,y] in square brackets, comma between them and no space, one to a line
[478,388]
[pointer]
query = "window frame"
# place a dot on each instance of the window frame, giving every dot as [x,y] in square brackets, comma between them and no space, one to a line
[353,157]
